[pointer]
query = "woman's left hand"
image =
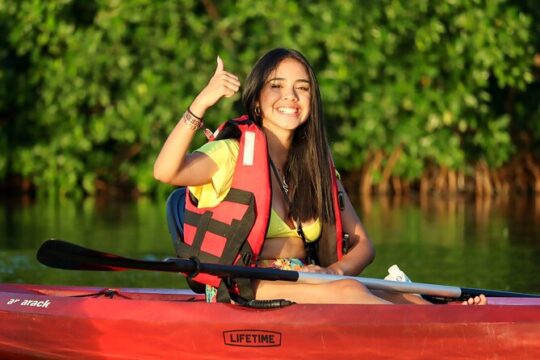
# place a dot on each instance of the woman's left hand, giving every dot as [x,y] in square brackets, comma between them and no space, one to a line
[322,270]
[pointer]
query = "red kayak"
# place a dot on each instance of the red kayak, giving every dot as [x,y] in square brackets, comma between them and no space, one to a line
[62,322]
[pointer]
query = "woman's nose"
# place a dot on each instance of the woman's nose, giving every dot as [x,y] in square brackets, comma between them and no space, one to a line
[290,94]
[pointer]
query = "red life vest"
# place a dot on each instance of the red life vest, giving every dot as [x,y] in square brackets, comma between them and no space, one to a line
[234,231]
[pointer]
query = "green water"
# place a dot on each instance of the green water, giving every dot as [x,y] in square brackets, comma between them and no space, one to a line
[492,244]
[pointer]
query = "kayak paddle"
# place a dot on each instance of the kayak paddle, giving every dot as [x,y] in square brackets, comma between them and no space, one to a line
[64,255]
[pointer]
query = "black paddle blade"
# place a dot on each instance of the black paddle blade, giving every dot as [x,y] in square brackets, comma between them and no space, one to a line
[467,293]
[64,255]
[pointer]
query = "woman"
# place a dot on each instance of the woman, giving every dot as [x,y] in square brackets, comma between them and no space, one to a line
[281,96]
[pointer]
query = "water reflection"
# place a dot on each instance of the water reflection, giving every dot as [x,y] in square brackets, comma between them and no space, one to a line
[488,242]
[517,218]
[134,229]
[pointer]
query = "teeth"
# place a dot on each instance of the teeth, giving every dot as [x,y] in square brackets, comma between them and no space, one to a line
[287,110]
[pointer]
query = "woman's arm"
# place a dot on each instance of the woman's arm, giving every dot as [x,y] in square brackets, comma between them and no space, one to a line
[361,252]
[174,165]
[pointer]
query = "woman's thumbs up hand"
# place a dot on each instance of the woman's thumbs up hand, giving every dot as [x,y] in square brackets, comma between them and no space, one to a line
[222,84]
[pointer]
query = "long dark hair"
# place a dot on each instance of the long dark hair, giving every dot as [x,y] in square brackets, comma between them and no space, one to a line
[307,169]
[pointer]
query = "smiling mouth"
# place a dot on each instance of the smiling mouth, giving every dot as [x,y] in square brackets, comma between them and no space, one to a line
[288,110]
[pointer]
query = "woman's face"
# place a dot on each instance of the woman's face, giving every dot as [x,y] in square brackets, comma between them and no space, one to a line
[285,97]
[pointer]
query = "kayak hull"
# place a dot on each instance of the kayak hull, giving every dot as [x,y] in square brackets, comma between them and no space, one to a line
[58,322]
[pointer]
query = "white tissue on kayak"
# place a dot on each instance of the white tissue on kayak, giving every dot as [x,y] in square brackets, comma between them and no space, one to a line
[395,274]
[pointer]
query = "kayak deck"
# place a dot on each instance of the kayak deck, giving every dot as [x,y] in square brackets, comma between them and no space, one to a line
[65,322]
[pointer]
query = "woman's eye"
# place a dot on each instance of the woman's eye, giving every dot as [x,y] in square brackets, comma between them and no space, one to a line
[275,86]
[303,88]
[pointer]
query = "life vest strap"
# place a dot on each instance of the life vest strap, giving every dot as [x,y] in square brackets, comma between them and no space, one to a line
[215,226]
[239,196]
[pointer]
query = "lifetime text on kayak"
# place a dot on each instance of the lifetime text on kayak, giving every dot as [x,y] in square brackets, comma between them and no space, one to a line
[252,338]
[29,302]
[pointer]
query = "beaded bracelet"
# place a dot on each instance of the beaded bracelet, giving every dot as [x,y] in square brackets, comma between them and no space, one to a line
[192,121]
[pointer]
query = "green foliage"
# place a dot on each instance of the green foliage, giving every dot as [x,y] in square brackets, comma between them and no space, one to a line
[422,75]
[526,122]
[91,88]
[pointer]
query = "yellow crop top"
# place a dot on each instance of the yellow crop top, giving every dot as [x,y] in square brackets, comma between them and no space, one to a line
[224,153]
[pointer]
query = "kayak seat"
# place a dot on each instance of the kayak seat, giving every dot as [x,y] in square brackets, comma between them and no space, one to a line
[175,209]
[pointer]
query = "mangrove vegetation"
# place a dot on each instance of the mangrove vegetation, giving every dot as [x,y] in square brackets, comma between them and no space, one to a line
[420,96]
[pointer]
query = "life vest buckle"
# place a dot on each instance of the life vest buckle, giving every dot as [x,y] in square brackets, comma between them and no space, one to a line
[249,258]
[345,243]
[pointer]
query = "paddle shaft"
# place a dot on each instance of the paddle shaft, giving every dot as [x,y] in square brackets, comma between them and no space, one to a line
[64,255]
[444,291]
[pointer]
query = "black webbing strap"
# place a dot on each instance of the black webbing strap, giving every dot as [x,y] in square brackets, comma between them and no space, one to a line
[205,220]
[237,244]
[239,231]
[244,285]
[245,288]
[199,234]
[239,196]
[223,295]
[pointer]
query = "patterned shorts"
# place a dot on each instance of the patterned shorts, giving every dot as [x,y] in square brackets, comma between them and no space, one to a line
[294,264]
[282,264]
